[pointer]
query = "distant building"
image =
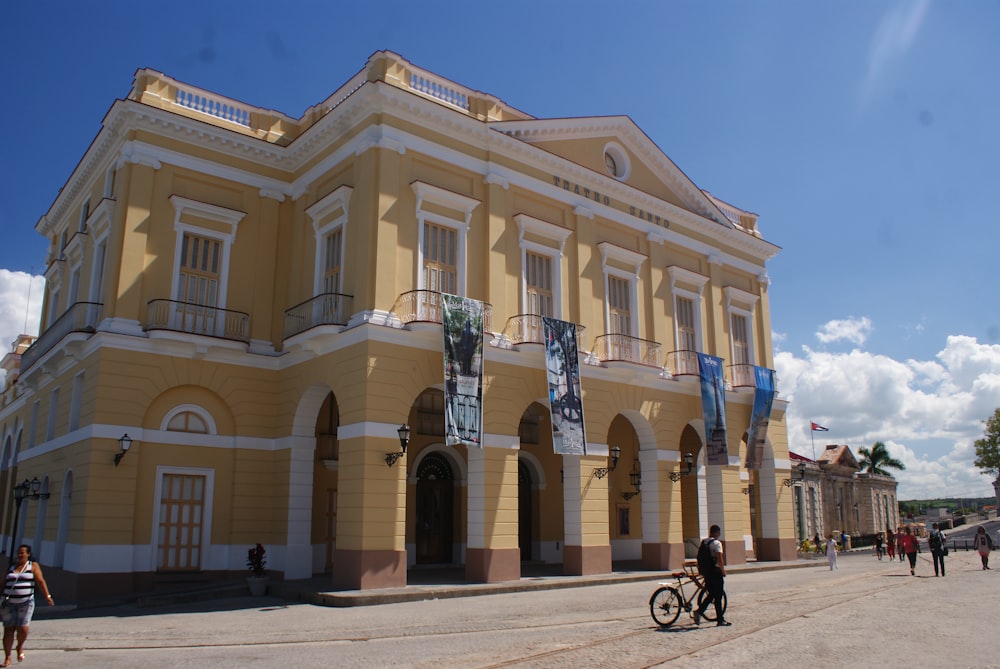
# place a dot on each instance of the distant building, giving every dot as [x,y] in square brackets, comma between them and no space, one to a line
[834,495]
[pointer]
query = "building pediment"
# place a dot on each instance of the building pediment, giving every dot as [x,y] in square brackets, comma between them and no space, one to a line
[616,148]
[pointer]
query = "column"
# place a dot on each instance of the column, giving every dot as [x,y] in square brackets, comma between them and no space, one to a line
[662,530]
[492,552]
[585,502]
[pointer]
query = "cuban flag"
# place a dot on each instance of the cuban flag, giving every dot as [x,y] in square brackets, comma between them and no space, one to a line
[816,427]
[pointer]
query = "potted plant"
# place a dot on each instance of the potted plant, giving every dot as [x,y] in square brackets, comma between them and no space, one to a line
[257,580]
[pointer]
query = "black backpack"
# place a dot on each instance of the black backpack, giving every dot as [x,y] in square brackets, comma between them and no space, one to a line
[706,561]
[934,542]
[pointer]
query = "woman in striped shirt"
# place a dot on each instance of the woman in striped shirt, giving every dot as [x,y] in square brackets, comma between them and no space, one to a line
[19,601]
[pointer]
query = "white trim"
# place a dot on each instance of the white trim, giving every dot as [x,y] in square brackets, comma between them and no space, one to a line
[230,217]
[339,199]
[622,161]
[449,200]
[191,408]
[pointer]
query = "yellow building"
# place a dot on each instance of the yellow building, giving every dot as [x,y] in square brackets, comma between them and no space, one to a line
[254,300]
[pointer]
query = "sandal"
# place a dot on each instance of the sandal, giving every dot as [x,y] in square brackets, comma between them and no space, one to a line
[20,657]
[6,663]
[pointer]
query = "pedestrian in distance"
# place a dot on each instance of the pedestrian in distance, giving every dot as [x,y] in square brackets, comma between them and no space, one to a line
[19,601]
[899,543]
[712,566]
[983,545]
[831,551]
[890,544]
[910,547]
[879,540]
[936,543]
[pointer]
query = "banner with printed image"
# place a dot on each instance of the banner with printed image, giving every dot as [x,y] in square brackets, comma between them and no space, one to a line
[713,407]
[562,364]
[462,320]
[760,416]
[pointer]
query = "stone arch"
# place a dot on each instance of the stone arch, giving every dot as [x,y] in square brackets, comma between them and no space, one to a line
[207,401]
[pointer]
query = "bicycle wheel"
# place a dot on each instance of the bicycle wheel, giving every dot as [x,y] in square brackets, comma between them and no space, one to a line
[710,611]
[665,605]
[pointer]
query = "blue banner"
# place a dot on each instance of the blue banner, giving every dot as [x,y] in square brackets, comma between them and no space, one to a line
[462,320]
[562,364]
[713,407]
[763,400]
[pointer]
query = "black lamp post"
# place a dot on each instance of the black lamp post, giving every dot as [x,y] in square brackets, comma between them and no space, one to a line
[22,491]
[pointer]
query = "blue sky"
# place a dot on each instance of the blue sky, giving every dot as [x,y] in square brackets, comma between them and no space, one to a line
[864,134]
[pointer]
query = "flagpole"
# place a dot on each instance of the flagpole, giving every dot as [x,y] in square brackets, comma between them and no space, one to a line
[812,435]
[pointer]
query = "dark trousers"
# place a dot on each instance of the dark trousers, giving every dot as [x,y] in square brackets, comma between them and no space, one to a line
[715,585]
[938,556]
[912,557]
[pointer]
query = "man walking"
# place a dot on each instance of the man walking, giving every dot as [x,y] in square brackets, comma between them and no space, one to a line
[936,543]
[712,566]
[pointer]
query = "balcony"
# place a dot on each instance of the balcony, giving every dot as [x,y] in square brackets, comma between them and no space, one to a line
[424,306]
[682,363]
[81,317]
[741,376]
[325,309]
[198,319]
[530,329]
[623,348]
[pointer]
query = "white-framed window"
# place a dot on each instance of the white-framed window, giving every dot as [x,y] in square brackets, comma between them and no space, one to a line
[205,235]
[50,427]
[75,399]
[686,289]
[740,307]
[74,286]
[329,218]
[443,219]
[33,425]
[84,215]
[189,418]
[53,306]
[109,182]
[97,272]
[620,288]
[616,161]
[542,245]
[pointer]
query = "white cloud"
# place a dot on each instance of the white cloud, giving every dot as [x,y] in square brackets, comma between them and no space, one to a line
[18,313]
[892,39]
[854,330]
[928,412]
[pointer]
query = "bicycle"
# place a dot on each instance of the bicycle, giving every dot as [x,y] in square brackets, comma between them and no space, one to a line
[668,600]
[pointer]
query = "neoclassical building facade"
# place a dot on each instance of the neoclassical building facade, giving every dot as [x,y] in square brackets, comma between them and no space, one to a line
[255,300]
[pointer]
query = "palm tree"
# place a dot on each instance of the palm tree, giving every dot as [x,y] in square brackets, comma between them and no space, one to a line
[878,457]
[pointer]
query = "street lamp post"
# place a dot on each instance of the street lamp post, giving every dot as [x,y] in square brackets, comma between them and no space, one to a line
[22,491]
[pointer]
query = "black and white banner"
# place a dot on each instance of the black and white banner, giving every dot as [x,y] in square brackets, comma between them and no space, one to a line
[562,364]
[462,319]
[713,406]
[760,417]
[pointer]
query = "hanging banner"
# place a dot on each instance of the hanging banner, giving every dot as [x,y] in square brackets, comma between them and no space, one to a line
[713,407]
[763,400]
[562,365]
[462,319]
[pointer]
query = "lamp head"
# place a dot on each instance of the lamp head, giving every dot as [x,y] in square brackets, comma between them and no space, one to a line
[404,436]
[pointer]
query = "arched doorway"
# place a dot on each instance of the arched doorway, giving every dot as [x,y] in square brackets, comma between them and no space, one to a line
[525,511]
[325,483]
[435,504]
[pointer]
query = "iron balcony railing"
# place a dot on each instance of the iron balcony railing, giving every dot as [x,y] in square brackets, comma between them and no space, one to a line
[198,319]
[624,348]
[741,376]
[424,306]
[324,309]
[529,329]
[682,363]
[81,317]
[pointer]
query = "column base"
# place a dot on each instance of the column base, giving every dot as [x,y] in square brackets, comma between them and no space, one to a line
[773,549]
[368,570]
[662,556]
[584,560]
[492,565]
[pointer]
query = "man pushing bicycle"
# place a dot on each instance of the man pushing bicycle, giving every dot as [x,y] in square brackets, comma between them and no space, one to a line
[712,567]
